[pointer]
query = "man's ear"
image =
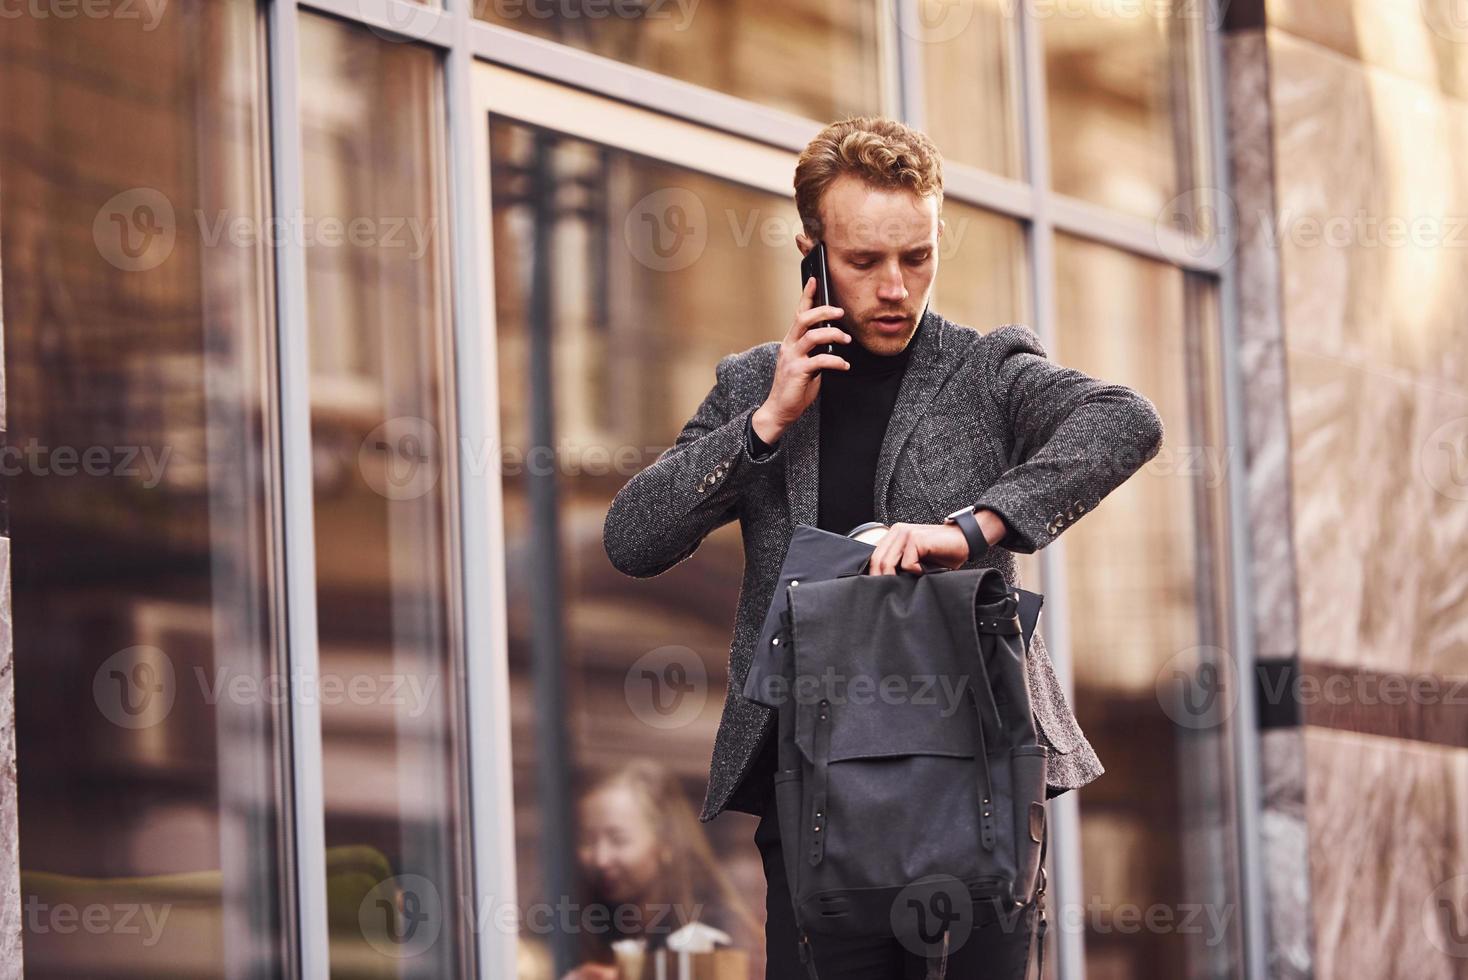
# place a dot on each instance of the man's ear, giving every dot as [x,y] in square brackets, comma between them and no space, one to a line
[804,242]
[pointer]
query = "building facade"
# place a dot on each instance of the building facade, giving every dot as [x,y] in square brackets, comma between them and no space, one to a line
[331,328]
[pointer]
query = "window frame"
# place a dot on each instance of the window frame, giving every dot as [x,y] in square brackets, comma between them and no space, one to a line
[767,137]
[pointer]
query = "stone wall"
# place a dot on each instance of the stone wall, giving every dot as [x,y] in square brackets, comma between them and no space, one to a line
[1348,125]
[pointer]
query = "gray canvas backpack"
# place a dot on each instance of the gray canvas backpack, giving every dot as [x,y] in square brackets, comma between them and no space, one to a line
[910,784]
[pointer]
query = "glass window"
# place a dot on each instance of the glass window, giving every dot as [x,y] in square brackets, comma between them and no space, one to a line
[140,471]
[815,58]
[381,431]
[982,270]
[971,83]
[609,323]
[1116,78]
[1153,684]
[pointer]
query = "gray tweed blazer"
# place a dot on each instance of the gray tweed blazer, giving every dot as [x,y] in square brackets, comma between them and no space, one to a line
[984,419]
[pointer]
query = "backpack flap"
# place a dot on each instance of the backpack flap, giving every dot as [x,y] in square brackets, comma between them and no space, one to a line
[902,695]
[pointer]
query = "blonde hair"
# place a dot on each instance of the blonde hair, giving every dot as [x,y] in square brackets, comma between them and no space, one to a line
[880,151]
[695,876]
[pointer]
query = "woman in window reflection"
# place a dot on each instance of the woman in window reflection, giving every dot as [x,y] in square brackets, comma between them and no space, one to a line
[645,860]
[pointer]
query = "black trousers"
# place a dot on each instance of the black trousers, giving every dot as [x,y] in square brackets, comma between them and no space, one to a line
[999,948]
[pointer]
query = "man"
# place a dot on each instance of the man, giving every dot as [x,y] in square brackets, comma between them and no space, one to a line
[921,418]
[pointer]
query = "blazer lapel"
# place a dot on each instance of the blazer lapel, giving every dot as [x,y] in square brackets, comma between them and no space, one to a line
[926,370]
[925,373]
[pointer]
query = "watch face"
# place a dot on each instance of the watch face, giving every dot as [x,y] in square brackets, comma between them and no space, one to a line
[871,535]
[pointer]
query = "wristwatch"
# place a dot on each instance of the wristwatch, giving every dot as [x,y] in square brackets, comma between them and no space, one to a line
[964,517]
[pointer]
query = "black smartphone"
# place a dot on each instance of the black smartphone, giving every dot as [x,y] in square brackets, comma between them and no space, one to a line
[814,264]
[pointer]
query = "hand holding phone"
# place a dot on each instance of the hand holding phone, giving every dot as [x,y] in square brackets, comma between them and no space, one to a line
[802,358]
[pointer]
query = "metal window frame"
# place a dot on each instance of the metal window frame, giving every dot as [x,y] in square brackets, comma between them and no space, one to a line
[464,41]
[491,816]
[485,700]
[1248,790]
[310,956]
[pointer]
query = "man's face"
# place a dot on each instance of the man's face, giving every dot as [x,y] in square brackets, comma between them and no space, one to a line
[882,249]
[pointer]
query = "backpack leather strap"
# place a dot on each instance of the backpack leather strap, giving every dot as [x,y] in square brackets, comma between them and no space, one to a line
[818,815]
[987,627]
[983,778]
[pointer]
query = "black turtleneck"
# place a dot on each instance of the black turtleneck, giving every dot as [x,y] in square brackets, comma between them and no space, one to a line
[855,406]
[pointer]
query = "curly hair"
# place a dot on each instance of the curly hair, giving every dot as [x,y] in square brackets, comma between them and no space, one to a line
[882,152]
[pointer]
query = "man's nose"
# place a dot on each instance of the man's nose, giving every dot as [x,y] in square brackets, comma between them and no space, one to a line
[891,287]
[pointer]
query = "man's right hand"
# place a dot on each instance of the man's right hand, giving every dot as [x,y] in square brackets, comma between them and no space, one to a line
[798,371]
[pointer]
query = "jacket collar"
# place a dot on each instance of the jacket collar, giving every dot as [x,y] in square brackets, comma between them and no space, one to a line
[930,364]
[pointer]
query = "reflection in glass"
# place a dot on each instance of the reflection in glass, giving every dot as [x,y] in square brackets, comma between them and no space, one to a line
[1147,608]
[380,429]
[970,82]
[815,58]
[982,272]
[608,329]
[142,494]
[1117,93]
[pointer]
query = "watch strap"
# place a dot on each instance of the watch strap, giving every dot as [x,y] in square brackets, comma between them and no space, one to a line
[978,545]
